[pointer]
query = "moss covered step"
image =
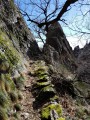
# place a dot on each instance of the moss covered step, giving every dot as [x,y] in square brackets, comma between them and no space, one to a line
[46,111]
[43,83]
[61,118]
[40,71]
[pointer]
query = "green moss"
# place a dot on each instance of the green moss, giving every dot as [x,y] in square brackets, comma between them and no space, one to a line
[48,89]
[3,100]
[88,118]
[13,96]
[15,115]
[3,114]
[80,112]
[10,53]
[7,86]
[43,77]
[10,82]
[4,66]
[40,72]
[20,97]
[61,118]
[2,83]
[82,87]
[6,83]
[45,113]
[54,98]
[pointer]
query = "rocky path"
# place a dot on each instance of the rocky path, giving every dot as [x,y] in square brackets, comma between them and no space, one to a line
[27,112]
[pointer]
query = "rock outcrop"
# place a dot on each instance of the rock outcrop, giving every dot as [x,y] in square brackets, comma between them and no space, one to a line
[57,49]
[84,64]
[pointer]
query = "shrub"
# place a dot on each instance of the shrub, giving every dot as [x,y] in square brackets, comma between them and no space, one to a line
[3,114]
[3,99]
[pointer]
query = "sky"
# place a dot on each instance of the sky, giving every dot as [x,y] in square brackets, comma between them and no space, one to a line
[74,19]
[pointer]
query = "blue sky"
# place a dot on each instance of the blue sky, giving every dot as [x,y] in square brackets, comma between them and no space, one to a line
[74,20]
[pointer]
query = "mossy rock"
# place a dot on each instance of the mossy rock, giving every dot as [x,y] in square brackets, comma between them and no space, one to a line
[6,82]
[48,89]
[7,86]
[43,83]
[15,115]
[4,66]
[82,88]
[54,98]
[45,112]
[3,99]
[40,72]
[3,114]
[45,94]
[43,77]
[61,118]
[9,52]
[42,80]
[2,83]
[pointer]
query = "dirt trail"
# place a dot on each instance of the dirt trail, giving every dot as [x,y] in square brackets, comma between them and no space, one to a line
[27,112]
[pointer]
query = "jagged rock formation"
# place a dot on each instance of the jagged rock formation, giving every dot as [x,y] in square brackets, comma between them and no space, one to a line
[57,49]
[84,64]
[77,51]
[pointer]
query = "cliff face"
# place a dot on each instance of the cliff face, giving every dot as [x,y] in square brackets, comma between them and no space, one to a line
[58,51]
[84,64]
[12,23]
[16,44]
[51,88]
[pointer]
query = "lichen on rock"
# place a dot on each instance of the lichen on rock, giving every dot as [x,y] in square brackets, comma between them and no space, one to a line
[45,113]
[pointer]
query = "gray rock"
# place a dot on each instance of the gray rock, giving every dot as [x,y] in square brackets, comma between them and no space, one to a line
[84,64]
[57,49]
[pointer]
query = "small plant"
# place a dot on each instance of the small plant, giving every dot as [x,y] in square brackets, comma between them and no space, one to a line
[17,107]
[3,99]
[20,97]
[19,82]
[15,115]
[45,113]
[7,86]
[13,96]
[3,114]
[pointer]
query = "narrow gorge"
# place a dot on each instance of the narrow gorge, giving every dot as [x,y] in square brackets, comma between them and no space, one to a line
[48,84]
